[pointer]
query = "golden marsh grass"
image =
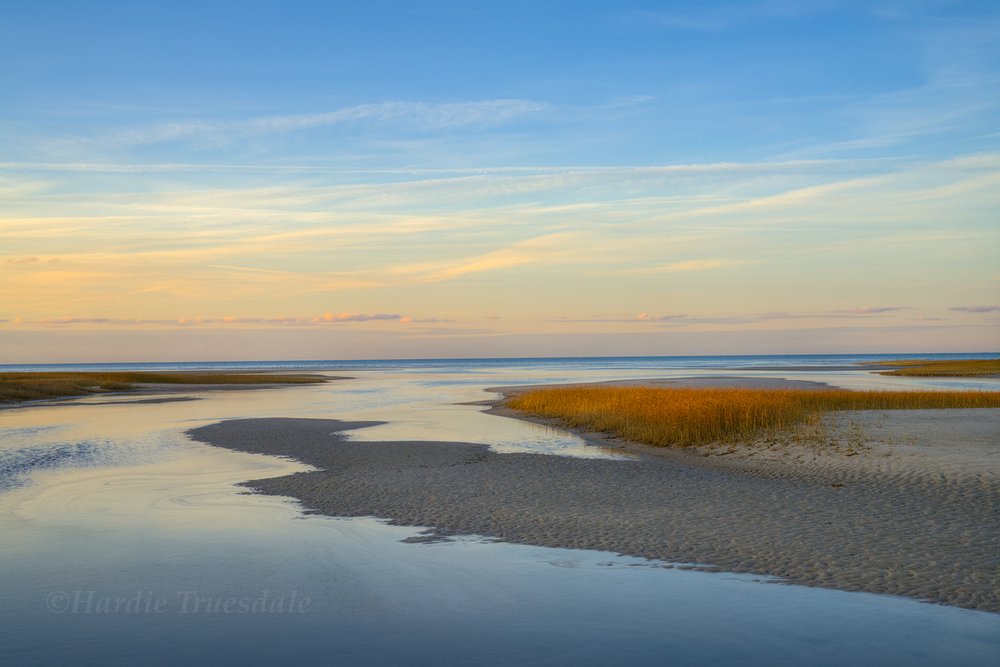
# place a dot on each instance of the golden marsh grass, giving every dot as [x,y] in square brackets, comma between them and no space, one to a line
[683,417]
[32,386]
[946,368]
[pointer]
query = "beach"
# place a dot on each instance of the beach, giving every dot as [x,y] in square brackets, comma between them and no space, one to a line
[109,498]
[906,506]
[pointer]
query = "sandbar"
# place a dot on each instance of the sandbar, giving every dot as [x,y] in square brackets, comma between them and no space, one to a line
[910,508]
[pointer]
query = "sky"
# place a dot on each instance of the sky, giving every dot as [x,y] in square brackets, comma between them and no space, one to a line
[338,180]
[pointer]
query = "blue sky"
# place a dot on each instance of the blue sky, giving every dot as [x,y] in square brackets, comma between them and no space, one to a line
[599,83]
[413,178]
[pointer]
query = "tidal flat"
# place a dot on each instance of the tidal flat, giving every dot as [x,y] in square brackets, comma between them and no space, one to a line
[110,499]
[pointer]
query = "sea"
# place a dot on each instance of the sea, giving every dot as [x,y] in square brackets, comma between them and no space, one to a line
[728,362]
[124,542]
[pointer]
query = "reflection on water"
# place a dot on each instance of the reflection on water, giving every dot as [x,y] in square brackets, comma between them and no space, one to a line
[16,464]
[123,542]
[418,407]
[369,598]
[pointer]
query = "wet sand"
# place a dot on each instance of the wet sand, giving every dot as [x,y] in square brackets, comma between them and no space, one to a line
[910,508]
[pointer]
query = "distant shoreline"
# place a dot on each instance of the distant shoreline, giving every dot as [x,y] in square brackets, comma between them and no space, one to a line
[27,388]
[849,361]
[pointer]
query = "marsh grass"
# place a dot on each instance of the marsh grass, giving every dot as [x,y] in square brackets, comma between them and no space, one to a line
[683,417]
[945,368]
[15,387]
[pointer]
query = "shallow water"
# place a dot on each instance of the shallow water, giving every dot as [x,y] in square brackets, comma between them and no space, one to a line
[123,541]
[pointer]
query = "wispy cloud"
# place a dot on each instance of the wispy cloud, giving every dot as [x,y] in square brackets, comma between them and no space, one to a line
[416,115]
[360,317]
[976,309]
[66,321]
[956,90]
[637,232]
[646,317]
[675,319]
[481,170]
[871,310]
[558,247]
[700,265]
[328,317]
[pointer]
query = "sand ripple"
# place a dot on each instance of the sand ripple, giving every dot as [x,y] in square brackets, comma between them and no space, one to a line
[910,515]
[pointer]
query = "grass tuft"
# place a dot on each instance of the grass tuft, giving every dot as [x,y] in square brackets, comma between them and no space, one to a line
[684,417]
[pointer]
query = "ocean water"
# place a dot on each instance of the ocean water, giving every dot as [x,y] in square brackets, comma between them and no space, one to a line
[125,542]
[467,365]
